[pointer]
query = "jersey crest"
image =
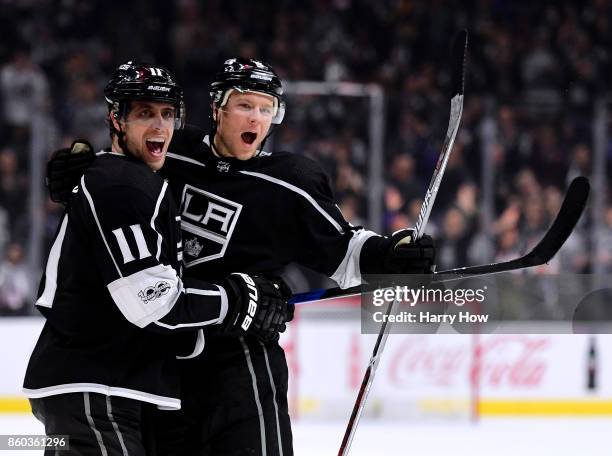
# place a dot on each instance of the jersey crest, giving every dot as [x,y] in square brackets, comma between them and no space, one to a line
[207,224]
[193,247]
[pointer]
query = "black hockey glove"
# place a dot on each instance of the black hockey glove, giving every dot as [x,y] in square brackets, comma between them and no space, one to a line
[398,254]
[257,306]
[65,168]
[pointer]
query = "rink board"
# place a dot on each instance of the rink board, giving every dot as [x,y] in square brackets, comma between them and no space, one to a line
[419,375]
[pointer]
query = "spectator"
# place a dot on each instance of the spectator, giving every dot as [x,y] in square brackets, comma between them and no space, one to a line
[24,90]
[453,246]
[581,162]
[88,114]
[349,206]
[402,176]
[535,72]
[15,287]
[604,254]
[467,202]
[13,191]
[394,204]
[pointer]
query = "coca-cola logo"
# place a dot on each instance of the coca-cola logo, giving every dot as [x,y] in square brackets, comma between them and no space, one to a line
[416,360]
[493,361]
[515,360]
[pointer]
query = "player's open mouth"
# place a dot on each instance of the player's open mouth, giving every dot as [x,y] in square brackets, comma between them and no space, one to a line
[249,137]
[155,146]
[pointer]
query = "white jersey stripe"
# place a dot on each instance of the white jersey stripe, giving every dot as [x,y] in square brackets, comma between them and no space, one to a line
[93,211]
[187,325]
[199,346]
[159,200]
[299,191]
[67,388]
[110,152]
[92,424]
[348,273]
[224,305]
[48,294]
[109,413]
[222,312]
[278,432]
[193,229]
[262,425]
[202,292]
[185,159]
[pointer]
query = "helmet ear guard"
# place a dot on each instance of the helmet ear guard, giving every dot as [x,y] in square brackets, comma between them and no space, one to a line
[179,118]
[280,113]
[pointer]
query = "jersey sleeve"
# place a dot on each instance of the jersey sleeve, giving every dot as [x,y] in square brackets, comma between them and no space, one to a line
[136,247]
[330,244]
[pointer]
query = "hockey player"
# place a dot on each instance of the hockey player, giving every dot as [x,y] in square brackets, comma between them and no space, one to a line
[245,209]
[112,291]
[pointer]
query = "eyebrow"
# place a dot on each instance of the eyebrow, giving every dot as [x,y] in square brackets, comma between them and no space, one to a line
[244,98]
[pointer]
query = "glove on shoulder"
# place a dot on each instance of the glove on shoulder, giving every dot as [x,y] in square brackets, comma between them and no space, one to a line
[65,168]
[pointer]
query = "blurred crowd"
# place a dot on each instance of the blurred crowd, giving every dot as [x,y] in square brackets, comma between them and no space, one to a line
[536,70]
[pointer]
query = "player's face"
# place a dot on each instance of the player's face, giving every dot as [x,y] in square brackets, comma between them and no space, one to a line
[148,130]
[243,123]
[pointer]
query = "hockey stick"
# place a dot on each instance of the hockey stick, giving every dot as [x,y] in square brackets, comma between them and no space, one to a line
[571,209]
[458,53]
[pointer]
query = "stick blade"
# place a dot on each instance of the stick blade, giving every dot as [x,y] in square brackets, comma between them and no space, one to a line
[563,225]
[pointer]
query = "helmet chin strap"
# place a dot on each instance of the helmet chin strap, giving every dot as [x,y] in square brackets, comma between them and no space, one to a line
[270,131]
[213,132]
[215,150]
[121,141]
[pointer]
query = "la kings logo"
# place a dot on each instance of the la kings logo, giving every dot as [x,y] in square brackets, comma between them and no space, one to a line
[207,222]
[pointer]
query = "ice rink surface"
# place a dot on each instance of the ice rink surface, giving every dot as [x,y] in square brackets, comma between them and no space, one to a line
[498,437]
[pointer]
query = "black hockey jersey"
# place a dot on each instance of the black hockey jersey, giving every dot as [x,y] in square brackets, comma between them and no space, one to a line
[112,292]
[258,215]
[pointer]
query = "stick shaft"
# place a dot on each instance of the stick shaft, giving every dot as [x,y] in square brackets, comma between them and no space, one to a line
[459,51]
[436,178]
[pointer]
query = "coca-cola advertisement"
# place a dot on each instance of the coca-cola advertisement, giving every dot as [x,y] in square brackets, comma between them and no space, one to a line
[477,373]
